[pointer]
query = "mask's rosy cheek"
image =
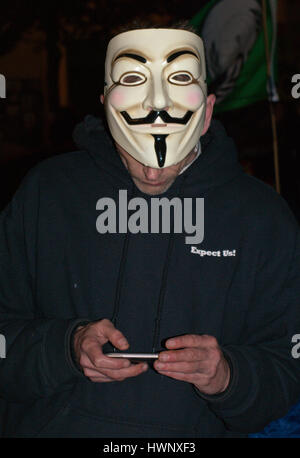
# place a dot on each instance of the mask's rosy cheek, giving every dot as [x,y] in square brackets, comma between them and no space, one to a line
[194,99]
[117,98]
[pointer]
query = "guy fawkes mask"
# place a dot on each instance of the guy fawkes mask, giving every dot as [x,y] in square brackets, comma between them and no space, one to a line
[155,93]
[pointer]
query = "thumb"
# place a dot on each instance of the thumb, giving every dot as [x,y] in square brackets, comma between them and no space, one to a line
[113,335]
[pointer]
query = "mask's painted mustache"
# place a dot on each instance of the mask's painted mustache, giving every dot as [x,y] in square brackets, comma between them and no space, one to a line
[153,115]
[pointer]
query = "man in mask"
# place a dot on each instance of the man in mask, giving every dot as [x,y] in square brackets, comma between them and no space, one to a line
[157,108]
[220,314]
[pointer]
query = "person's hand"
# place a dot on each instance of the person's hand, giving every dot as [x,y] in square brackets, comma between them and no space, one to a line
[196,359]
[88,342]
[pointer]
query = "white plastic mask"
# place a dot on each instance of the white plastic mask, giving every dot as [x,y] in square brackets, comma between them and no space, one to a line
[155,93]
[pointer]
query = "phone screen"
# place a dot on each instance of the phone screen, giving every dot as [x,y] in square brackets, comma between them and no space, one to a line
[134,357]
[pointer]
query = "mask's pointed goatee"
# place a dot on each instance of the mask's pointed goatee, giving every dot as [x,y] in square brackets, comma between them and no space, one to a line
[160,148]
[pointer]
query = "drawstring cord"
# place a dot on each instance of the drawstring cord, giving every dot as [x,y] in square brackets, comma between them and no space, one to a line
[120,279]
[162,293]
[163,286]
[121,274]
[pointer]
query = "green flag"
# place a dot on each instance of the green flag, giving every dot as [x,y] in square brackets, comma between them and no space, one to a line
[233,34]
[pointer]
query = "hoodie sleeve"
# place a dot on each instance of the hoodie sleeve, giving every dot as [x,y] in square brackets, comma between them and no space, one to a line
[265,379]
[37,362]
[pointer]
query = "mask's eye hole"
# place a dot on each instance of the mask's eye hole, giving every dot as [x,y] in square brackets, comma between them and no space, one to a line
[180,78]
[132,79]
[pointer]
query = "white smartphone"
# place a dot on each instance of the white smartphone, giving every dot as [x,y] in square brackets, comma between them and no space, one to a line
[134,357]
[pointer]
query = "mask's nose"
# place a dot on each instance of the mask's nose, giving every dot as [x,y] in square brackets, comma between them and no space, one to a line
[157,98]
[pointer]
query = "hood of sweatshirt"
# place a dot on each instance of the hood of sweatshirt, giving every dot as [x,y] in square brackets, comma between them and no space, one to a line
[216,165]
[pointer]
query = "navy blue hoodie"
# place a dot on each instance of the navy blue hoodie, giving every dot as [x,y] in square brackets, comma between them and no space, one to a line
[57,270]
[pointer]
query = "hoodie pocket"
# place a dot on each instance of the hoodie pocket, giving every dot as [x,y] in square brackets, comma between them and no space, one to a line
[72,422]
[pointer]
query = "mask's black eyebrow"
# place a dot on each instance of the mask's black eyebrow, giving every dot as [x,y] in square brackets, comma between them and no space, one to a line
[133,56]
[179,53]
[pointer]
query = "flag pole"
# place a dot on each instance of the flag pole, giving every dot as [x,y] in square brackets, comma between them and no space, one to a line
[271,105]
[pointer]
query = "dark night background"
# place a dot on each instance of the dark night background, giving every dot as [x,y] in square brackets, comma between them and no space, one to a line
[52,54]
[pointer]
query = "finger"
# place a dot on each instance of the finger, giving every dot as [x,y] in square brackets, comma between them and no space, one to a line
[101,380]
[99,362]
[96,376]
[92,351]
[114,373]
[190,340]
[132,371]
[114,363]
[186,354]
[113,335]
[92,356]
[184,367]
